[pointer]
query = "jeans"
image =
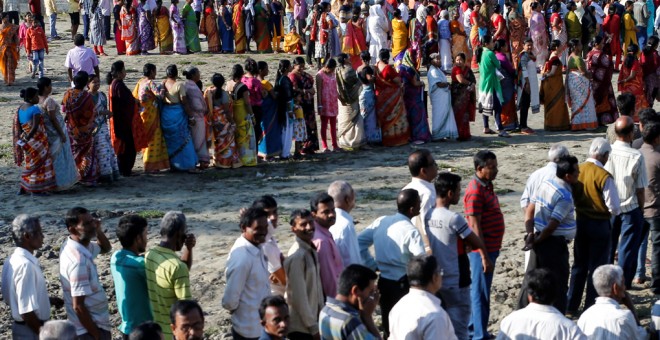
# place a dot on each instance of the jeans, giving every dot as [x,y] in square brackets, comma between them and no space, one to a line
[38,60]
[641,36]
[480,296]
[654,226]
[291,23]
[86,26]
[551,254]
[106,26]
[456,302]
[53,22]
[629,226]
[590,250]
[641,254]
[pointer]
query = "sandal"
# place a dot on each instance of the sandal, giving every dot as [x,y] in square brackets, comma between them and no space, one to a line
[489,132]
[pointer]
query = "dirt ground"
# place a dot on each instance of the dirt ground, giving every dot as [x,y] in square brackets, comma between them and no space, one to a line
[211,200]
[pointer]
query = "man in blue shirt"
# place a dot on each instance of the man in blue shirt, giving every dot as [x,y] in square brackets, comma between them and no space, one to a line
[128,273]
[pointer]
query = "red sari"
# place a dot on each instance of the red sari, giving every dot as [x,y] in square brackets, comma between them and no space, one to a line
[634,86]
[355,42]
[612,27]
[80,116]
[390,109]
[463,101]
[38,175]
[126,127]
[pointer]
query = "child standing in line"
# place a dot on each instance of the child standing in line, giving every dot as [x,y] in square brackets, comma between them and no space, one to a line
[299,129]
[36,46]
[328,107]
[22,36]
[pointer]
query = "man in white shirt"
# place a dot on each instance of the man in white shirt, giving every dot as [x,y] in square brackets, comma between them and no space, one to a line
[423,169]
[629,172]
[395,240]
[539,320]
[405,12]
[343,231]
[23,282]
[12,9]
[418,315]
[247,276]
[84,297]
[606,320]
[270,247]
[106,10]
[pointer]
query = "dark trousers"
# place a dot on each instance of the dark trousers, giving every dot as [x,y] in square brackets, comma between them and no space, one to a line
[86,26]
[198,16]
[390,293]
[299,336]
[40,19]
[106,26]
[237,336]
[126,159]
[258,117]
[654,224]
[551,254]
[13,17]
[309,51]
[525,101]
[103,335]
[629,226]
[590,250]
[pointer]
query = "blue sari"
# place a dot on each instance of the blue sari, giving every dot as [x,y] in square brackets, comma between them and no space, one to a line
[174,123]
[226,34]
[270,144]
[368,112]
[413,100]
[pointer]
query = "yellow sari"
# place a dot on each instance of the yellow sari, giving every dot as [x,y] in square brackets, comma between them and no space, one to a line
[245,140]
[155,156]
[399,37]
[238,23]
[163,34]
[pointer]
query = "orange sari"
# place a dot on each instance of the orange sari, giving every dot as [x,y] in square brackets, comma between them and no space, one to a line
[354,42]
[209,27]
[390,109]
[238,23]
[80,118]
[9,53]
[634,86]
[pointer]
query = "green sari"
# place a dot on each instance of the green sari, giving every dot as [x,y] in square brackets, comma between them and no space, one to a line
[191,29]
[489,83]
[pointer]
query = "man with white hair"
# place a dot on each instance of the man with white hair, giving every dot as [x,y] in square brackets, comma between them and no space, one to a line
[606,319]
[58,330]
[23,282]
[596,201]
[343,231]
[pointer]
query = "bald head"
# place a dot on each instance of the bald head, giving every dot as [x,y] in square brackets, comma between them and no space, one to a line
[624,127]
[408,202]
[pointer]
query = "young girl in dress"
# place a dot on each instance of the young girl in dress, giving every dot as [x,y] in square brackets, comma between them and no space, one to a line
[327,101]
[299,129]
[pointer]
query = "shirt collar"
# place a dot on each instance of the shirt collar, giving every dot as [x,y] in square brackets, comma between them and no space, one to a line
[482,182]
[343,305]
[422,182]
[26,254]
[595,161]
[542,308]
[251,248]
[343,213]
[605,300]
[79,247]
[621,143]
[401,216]
[304,245]
[318,229]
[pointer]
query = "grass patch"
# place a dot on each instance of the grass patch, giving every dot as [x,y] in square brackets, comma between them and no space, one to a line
[499,191]
[200,63]
[185,62]
[4,100]
[6,151]
[151,214]
[376,195]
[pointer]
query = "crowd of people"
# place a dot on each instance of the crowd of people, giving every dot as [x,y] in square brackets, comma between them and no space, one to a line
[430,269]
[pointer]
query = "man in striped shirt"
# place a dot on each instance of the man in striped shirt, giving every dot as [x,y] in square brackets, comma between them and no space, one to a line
[629,172]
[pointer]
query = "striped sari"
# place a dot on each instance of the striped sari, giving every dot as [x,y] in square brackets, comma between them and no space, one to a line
[154,155]
[390,108]
[78,108]
[38,175]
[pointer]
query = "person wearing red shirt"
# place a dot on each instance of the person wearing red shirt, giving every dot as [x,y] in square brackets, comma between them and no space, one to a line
[35,8]
[36,45]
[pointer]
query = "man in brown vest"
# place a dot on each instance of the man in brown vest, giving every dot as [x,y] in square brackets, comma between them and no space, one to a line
[596,200]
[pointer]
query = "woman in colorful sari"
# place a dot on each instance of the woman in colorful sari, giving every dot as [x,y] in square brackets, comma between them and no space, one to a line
[417,36]
[8,50]
[257,94]
[599,63]
[261,31]
[399,37]
[245,141]
[443,123]
[148,95]
[354,40]
[499,24]
[552,93]
[270,144]
[119,42]
[558,30]
[458,37]
[475,37]
[350,128]
[390,109]
[224,26]
[304,82]
[195,106]
[368,101]
[579,95]
[129,29]
[66,174]
[290,128]
[508,116]
[238,25]
[190,28]
[163,30]
[175,121]
[80,118]
[629,29]
[275,23]
[611,33]
[221,125]
[490,88]
[146,30]
[126,127]
[651,69]
[105,154]
[538,33]
[31,145]
[178,34]
[413,99]
[463,97]
[631,79]
[209,26]
[517,30]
